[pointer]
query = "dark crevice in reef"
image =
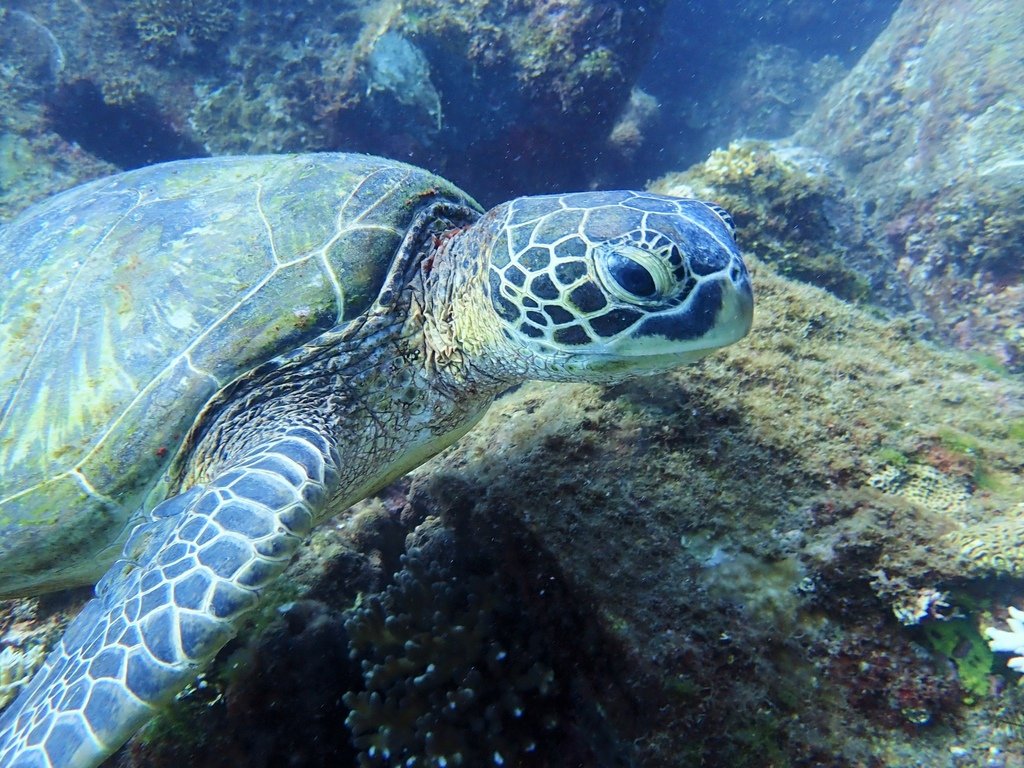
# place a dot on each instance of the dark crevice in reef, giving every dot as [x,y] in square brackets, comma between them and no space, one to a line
[128,134]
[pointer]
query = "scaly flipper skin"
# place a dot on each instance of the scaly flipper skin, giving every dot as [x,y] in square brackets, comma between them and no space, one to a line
[187,579]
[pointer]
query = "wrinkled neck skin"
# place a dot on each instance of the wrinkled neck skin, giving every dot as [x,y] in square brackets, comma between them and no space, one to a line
[464,343]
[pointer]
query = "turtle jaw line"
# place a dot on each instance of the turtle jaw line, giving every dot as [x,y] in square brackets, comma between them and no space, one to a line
[609,367]
[616,366]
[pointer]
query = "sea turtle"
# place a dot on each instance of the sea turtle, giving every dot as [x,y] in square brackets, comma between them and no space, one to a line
[202,360]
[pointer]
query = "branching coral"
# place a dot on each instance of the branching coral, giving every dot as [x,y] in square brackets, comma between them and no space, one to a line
[450,674]
[1011,640]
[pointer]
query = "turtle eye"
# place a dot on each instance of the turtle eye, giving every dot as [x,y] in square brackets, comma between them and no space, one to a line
[634,275]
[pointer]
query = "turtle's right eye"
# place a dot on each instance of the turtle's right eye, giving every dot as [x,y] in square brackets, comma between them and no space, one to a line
[631,276]
[634,275]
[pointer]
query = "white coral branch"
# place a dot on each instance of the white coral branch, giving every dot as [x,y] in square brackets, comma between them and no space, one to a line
[1012,641]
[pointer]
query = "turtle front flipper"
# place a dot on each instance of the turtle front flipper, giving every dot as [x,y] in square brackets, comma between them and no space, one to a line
[177,596]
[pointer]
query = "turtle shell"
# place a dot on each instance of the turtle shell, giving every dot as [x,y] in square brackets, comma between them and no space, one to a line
[128,302]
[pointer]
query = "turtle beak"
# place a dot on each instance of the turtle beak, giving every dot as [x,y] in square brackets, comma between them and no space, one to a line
[719,312]
[736,316]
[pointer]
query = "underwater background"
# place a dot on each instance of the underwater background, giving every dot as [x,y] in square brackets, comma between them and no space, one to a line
[787,555]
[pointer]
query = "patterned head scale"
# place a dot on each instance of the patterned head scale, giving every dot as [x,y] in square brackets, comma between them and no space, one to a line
[622,275]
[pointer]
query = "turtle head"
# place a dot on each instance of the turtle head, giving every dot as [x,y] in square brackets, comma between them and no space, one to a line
[602,285]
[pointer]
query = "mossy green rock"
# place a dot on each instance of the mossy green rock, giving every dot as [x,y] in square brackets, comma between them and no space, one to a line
[927,129]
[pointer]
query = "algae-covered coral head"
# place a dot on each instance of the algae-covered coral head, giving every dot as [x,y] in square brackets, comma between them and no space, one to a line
[292,333]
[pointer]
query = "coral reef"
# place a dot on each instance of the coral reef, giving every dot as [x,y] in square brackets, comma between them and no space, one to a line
[781,556]
[443,83]
[453,672]
[725,70]
[185,27]
[926,129]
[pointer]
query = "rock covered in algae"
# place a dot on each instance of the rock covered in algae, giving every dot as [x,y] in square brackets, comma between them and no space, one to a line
[710,515]
[448,84]
[927,129]
[34,161]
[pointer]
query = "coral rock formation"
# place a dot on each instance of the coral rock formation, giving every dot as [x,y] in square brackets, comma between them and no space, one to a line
[927,129]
